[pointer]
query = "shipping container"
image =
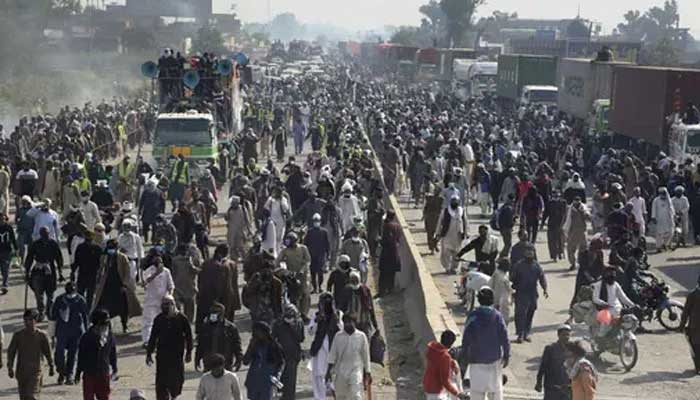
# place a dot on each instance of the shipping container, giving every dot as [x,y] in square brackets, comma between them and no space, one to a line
[644,99]
[517,70]
[581,82]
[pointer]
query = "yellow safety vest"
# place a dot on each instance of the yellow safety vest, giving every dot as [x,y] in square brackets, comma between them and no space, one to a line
[83,184]
[182,177]
[125,170]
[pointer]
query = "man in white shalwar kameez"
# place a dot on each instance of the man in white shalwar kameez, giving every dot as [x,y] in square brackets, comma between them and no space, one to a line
[663,214]
[318,364]
[268,229]
[279,212]
[157,283]
[349,359]
[132,245]
[452,229]
[349,206]
[681,206]
[639,210]
[502,290]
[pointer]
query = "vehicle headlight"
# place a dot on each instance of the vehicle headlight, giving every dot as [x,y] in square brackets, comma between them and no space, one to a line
[629,322]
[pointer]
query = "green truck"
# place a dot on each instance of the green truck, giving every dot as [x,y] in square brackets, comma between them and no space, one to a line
[515,71]
[191,134]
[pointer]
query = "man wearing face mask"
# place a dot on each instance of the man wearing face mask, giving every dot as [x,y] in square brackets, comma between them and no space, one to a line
[608,294]
[355,300]
[218,282]
[219,335]
[318,243]
[289,332]
[298,261]
[452,229]
[171,338]
[358,250]
[29,345]
[86,262]
[165,233]
[349,359]
[42,266]
[91,214]
[349,207]
[218,384]
[525,277]
[97,358]
[70,315]
[115,291]
[339,277]
[157,283]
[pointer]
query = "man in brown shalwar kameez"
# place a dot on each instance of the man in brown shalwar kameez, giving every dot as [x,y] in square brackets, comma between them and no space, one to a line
[29,345]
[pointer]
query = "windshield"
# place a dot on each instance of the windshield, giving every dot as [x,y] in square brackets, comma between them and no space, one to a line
[543,96]
[694,139]
[191,132]
[488,79]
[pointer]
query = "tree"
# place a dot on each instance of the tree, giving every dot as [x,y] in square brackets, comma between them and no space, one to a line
[490,27]
[208,39]
[407,36]
[435,21]
[652,25]
[662,54]
[286,27]
[459,15]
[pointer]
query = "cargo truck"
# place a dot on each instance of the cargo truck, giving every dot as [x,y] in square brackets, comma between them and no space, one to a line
[515,71]
[482,78]
[583,82]
[646,103]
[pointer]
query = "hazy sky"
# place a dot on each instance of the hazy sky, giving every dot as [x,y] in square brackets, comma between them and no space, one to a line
[367,14]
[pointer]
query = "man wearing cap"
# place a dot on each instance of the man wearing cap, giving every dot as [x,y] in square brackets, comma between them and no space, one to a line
[171,338]
[355,300]
[452,229]
[44,216]
[132,245]
[486,346]
[29,345]
[663,215]
[552,369]
[681,206]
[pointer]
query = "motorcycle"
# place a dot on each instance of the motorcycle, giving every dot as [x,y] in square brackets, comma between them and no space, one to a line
[657,305]
[620,340]
[469,283]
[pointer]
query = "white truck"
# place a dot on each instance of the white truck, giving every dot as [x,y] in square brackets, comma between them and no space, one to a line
[482,78]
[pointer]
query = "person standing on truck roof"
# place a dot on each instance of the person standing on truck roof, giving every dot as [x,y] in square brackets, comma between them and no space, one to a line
[179,179]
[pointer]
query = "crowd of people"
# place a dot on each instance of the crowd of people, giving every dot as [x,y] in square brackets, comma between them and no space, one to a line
[313,227]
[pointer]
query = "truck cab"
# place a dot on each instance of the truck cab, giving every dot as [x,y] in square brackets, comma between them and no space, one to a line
[544,95]
[684,142]
[192,134]
[482,78]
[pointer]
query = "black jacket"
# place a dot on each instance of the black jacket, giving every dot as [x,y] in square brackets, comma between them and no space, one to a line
[229,342]
[93,359]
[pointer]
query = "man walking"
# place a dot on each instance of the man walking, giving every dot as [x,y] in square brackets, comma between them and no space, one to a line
[289,332]
[219,335]
[171,338]
[440,369]
[97,358]
[70,313]
[552,369]
[43,263]
[525,276]
[575,230]
[349,359]
[8,247]
[452,230]
[86,263]
[29,346]
[485,341]
[218,383]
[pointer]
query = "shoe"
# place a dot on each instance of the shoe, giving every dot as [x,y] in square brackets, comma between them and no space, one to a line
[69,381]
[60,379]
[527,339]
[3,291]
[519,340]
[572,268]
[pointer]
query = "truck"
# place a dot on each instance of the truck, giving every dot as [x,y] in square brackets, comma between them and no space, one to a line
[427,63]
[461,86]
[581,83]
[447,61]
[515,71]
[191,133]
[482,78]
[646,102]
